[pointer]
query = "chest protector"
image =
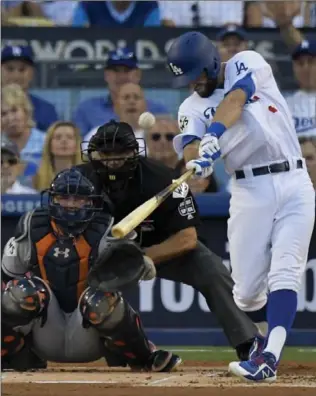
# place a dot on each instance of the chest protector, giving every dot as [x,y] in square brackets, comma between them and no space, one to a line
[64,263]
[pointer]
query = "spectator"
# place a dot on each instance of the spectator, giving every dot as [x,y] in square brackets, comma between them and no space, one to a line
[127,14]
[201,13]
[231,40]
[61,151]
[308,147]
[17,122]
[159,144]
[17,66]
[263,13]
[17,9]
[198,185]
[10,163]
[303,102]
[120,69]
[58,12]
[129,105]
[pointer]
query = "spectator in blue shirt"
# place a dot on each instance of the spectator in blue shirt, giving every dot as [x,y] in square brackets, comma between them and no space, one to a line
[121,68]
[117,14]
[18,125]
[17,67]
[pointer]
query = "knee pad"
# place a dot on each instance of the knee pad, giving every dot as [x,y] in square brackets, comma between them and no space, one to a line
[101,310]
[117,323]
[24,300]
[11,341]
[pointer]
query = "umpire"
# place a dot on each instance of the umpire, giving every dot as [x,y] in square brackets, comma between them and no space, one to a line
[116,165]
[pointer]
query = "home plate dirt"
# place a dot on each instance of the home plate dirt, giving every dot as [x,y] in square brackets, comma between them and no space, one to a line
[97,380]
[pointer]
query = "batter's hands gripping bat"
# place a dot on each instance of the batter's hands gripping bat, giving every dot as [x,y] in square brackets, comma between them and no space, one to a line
[131,221]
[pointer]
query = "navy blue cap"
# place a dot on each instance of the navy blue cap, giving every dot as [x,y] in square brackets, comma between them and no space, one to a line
[17,52]
[232,30]
[122,57]
[305,48]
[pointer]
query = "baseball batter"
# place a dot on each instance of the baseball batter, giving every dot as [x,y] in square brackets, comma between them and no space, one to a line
[273,202]
[49,306]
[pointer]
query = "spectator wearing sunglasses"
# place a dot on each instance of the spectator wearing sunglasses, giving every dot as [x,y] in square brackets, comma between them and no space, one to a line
[10,169]
[121,68]
[159,144]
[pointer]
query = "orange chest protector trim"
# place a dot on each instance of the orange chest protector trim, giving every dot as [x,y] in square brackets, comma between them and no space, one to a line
[83,250]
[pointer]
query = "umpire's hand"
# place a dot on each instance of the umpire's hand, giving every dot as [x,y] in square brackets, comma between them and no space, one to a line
[150,269]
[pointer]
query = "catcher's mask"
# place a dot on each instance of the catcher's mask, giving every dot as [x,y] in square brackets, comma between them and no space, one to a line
[113,151]
[73,202]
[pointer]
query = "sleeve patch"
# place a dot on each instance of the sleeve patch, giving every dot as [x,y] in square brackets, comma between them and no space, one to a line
[187,208]
[11,248]
[181,192]
[183,123]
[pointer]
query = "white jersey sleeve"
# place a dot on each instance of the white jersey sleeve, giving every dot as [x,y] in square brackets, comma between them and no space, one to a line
[13,262]
[247,70]
[195,115]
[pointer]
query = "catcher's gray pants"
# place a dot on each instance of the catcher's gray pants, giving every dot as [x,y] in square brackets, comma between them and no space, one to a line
[205,272]
[63,338]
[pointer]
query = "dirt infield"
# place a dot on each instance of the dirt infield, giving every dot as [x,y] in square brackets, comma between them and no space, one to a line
[201,380]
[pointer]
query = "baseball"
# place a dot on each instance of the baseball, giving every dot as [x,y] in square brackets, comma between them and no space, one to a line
[146,120]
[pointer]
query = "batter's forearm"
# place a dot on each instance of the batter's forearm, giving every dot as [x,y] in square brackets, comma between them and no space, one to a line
[178,244]
[191,151]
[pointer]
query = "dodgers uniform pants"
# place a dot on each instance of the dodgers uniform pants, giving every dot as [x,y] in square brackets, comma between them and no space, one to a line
[269,232]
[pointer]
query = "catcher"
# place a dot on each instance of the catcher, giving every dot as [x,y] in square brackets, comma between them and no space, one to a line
[62,277]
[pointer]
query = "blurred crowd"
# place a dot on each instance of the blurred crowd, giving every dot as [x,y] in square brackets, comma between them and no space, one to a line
[153,13]
[36,144]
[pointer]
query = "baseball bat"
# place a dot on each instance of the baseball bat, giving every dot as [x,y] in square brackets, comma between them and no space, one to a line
[131,221]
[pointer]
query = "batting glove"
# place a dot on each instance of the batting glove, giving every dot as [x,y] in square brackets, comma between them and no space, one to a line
[202,168]
[209,147]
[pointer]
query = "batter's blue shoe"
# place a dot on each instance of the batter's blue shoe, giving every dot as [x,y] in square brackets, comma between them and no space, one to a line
[261,369]
[257,347]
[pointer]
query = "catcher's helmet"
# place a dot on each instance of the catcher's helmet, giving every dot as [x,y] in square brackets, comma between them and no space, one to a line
[71,219]
[113,151]
[189,55]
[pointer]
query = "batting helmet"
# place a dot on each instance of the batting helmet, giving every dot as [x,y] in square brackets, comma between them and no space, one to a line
[189,55]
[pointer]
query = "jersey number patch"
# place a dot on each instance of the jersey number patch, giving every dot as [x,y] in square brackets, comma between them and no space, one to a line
[240,66]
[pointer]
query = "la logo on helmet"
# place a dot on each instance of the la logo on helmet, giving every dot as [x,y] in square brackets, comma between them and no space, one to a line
[175,69]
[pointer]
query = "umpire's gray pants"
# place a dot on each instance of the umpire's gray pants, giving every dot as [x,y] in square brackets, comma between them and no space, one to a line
[205,272]
[63,338]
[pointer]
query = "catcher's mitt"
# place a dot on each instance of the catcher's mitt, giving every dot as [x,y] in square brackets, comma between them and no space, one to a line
[120,265]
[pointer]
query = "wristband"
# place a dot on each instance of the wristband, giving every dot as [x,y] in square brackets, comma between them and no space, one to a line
[217,129]
[187,139]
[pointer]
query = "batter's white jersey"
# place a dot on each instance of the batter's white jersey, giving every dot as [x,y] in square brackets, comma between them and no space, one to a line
[303,108]
[265,132]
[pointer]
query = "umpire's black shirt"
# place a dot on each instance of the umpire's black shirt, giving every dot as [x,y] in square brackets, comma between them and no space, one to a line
[179,211]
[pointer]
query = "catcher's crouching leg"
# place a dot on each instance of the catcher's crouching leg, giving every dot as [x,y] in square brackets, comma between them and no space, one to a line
[121,328]
[22,301]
